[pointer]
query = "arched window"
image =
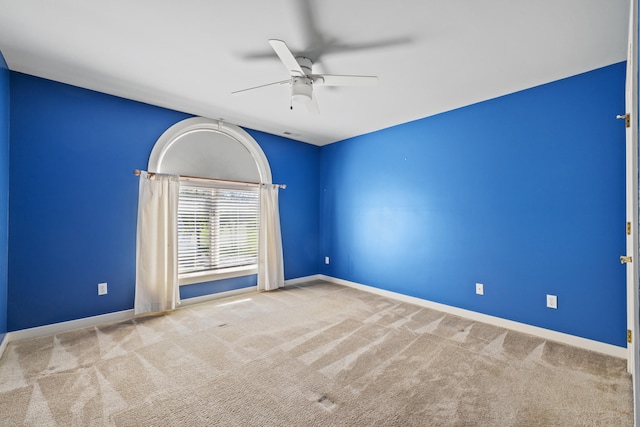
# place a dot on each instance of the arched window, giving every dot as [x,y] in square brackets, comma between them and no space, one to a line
[217,221]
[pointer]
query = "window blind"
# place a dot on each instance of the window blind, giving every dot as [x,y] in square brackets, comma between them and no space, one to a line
[217,228]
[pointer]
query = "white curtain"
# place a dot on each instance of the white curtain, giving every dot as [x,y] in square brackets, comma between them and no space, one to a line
[270,264]
[157,286]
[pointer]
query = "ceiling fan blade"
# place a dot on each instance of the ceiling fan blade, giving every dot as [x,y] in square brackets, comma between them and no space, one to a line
[335,80]
[312,106]
[261,86]
[287,58]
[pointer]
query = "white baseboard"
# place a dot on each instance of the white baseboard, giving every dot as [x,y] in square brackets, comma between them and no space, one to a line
[56,328]
[210,297]
[599,347]
[299,280]
[3,344]
[587,344]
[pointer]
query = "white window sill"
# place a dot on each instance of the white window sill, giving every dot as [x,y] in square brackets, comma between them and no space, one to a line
[226,273]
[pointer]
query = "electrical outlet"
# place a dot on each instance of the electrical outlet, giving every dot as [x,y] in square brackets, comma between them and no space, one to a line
[552,301]
[479,289]
[102,288]
[326,260]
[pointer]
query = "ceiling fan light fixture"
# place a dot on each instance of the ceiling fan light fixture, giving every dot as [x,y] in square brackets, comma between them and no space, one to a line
[301,90]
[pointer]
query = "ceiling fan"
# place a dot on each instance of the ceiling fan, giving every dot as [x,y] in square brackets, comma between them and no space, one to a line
[302,80]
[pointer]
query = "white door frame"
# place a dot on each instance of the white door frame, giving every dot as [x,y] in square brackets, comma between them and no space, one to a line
[631,105]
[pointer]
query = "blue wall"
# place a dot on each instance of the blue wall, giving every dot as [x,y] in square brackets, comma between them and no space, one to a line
[4,192]
[298,166]
[74,200]
[524,193]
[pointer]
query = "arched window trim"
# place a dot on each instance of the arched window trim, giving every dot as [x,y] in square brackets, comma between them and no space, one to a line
[173,135]
[184,127]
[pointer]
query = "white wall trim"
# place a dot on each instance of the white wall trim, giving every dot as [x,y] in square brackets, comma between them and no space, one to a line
[56,328]
[118,316]
[218,295]
[587,344]
[173,134]
[3,344]
[299,280]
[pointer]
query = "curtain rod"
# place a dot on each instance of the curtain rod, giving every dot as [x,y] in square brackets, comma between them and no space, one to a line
[137,172]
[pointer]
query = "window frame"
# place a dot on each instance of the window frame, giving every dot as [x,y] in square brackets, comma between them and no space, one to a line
[226,272]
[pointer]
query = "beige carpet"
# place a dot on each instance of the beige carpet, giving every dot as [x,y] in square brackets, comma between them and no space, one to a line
[312,355]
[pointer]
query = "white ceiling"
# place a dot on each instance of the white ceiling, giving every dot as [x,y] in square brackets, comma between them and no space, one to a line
[430,56]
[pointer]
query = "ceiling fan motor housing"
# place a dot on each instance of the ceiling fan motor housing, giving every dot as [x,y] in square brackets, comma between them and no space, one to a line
[305,64]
